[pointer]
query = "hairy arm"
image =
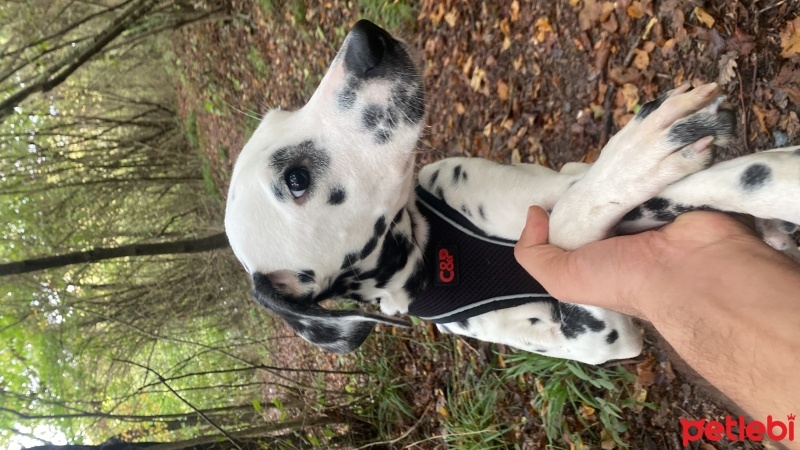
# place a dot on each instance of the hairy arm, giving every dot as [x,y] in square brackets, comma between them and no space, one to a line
[726,302]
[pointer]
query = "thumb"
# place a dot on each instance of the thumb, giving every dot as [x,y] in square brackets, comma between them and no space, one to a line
[543,261]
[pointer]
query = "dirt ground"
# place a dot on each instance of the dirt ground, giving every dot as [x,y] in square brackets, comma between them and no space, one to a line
[519,80]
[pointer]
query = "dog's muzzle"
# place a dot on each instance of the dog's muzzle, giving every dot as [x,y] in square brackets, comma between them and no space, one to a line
[374,53]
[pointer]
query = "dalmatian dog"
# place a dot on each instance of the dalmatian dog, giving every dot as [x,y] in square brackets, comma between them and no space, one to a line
[324,205]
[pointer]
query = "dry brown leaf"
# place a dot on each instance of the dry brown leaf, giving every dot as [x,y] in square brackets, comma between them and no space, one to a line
[451,17]
[641,60]
[606,441]
[605,11]
[436,16]
[502,90]
[727,68]
[767,118]
[574,2]
[635,10]
[467,66]
[631,94]
[506,43]
[791,125]
[515,10]
[790,38]
[587,411]
[707,446]
[460,109]
[505,27]
[542,29]
[622,76]
[518,62]
[589,15]
[704,17]
[516,158]
[645,371]
[478,75]
[487,130]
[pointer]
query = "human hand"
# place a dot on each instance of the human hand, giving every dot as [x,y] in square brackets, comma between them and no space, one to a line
[630,274]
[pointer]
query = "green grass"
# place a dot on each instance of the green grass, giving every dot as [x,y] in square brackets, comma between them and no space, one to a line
[255,60]
[566,385]
[392,14]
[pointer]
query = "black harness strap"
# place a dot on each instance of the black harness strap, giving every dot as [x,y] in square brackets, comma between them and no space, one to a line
[470,272]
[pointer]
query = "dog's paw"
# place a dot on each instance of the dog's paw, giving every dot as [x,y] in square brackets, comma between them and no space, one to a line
[779,235]
[670,138]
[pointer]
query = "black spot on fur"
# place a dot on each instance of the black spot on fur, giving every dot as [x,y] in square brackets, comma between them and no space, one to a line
[665,215]
[382,136]
[481,212]
[369,247]
[349,260]
[306,276]
[634,214]
[433,179]
[534,320]
[440,193]
[464,324]
[399,216]
[541,350]
[393,257]
[649,107]
[464,176]
[612,337]
[657,204]
[380,226]
[755,177]
[787,227]
[372,116]
[410,101]
[445,329]
[466,211]
[576,320]
[417,282]
[347,96]
[337,197]
[700,125]
[456,174]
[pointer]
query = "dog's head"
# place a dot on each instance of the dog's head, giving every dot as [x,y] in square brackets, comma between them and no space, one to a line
[314,192]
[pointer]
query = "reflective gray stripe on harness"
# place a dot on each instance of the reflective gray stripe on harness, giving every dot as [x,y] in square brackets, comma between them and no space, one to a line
[469,272]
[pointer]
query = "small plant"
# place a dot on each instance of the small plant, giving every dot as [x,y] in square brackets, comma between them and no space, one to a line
[596,393]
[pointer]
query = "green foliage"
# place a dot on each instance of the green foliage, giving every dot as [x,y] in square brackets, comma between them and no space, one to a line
[392,14]
[568,384]
[470,419]
[255,60]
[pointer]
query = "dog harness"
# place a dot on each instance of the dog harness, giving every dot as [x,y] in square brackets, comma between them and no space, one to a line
[470,272]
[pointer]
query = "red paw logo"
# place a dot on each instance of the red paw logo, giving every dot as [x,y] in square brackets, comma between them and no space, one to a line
[447,273]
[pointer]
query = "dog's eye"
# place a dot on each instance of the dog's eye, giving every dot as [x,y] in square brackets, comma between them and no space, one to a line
[297,180]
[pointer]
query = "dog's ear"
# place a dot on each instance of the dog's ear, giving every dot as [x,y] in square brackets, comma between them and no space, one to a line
[338,331]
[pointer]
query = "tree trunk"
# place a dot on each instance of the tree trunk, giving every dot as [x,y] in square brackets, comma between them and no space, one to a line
[205,244]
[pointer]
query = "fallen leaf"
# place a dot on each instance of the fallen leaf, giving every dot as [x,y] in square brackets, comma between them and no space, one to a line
[741,43]
[631,94]
[436,16]
[516,158]
[574,2]
[645,371]
[605,11]
[641,60]
[478,75]
[515,10]
[589,15]
[543,28]
[467,66]
[622,76]
[704,17]
[587,411]
[443,411]
[727,68]
[790,124]
[635,10]
[707,446]
[487,130]
[606,441]
[502,90]
[761,116]
[790,38]
[460,109]
[505,27]
[451,17]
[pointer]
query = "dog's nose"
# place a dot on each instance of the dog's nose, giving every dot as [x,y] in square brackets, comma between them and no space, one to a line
[368,46]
